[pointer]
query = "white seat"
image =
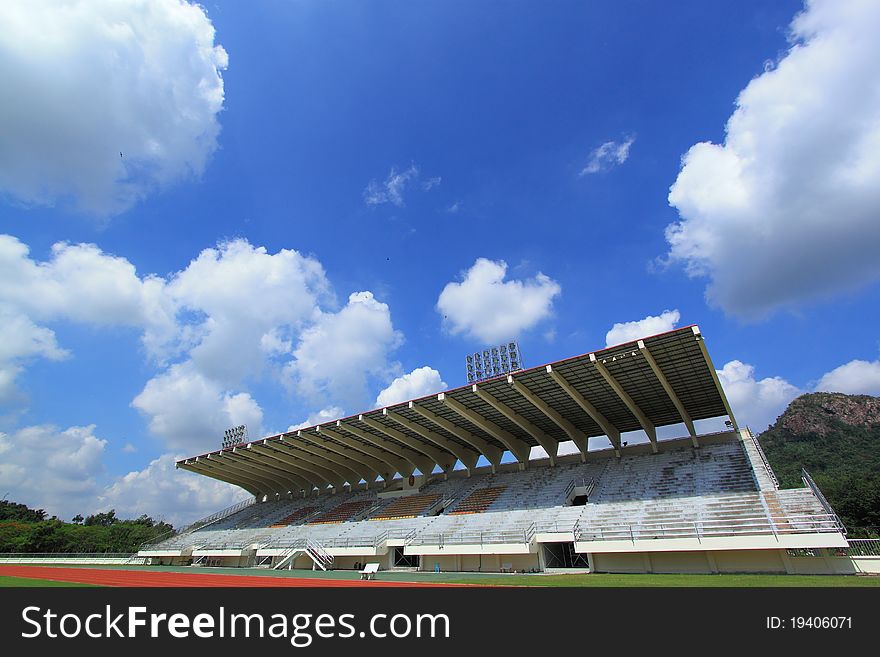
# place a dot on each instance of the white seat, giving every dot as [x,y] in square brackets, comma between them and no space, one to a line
[369,571]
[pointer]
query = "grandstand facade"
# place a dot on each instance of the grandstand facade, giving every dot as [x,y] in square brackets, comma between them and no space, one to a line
[447,482]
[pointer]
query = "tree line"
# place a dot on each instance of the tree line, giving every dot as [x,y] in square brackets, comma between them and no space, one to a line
[23,529]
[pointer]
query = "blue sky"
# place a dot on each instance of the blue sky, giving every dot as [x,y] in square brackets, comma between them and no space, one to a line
[471,172]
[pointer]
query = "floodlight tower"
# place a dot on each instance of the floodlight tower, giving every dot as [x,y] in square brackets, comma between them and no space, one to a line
[234,436]
[493,361]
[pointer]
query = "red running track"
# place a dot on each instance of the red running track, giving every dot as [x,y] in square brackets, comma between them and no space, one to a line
[168,579]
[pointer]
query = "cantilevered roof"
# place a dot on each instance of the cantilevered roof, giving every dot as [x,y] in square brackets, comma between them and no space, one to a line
[640,385]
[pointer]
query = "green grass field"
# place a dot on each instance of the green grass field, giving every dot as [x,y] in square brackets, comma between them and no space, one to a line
[616,580]
[537,580]
[26,582]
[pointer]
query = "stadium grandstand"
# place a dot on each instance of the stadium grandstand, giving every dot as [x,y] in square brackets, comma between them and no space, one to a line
[446,482]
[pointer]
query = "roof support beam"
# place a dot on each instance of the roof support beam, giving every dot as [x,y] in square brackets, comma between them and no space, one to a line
[227,464]
[685,416]
[305,462]
[516,446]
[715,378]
[550,444]
[356,467]
[424,463]
[344,446]
[610,430]
[647,425]
[441,457]
[464,454]
[290,481]
[574,434]
[294,480]
[297,476]
[255,489]
[406,463]
[487,449]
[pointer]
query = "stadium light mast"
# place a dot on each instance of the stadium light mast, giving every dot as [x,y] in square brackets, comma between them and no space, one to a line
[493,361]
[235,436]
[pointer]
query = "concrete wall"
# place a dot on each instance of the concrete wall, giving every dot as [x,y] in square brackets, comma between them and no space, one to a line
[734,561]
[486,563]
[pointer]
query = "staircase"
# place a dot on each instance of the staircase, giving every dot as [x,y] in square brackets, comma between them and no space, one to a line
[764,475]
[319,555]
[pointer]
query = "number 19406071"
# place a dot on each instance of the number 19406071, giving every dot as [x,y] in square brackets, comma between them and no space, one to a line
[809,623]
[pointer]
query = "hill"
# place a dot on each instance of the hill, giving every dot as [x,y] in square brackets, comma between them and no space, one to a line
[836,437]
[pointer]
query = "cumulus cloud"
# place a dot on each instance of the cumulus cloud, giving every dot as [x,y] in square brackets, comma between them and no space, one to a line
[245,304]
[755,403]
[165,493]
[420,382]
[189,411]
[63,472]
[234,313]
[105,101]
[650,325]
[57,470]
[338,356]
[857,377]
[487,307]
[320,417]
[785,210]
[608,155]
[78,283]
[392,189]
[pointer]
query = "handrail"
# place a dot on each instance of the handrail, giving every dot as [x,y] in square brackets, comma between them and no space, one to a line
[764,460]
[863,547]
[200,523]
[67,555]
[707,528]
[808,480]
[584,484]
[473,538]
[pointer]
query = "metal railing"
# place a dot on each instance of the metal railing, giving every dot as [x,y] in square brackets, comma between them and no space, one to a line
[767,467]
[22,556]
[199,524]
[588,485]
[700,529]
[319,555]
[862,547]
[808,480]
[556,526]
[517,536]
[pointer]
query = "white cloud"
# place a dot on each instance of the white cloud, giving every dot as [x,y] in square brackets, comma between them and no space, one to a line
[338,356]
[233,314]
[324,415]
[79,283]
[857,377]
[189,411]
[86,80]
[62,471]
[485,306]
[165,493]
[246,303]
[650,325]
[394,186]
[755,403]
[51,469]
[420,382]
[785,210]
[431,183]
[608,155]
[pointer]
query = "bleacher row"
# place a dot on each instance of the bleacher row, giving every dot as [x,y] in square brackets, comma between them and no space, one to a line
[678,485]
